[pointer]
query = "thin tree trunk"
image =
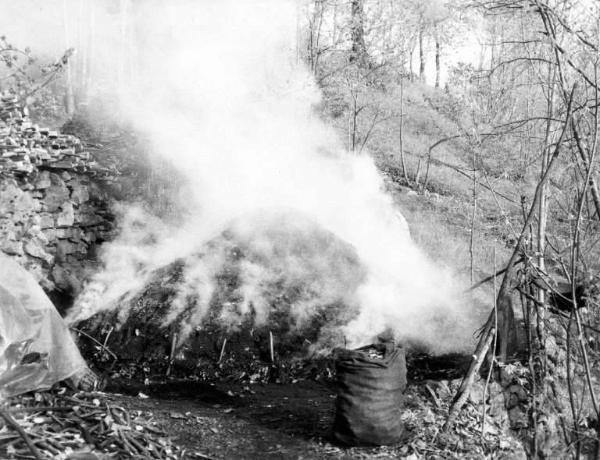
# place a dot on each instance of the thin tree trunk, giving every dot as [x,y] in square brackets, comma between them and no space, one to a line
[359,48]
[89,70]
[69,95]
[401,135]
[586,163]
[542,212]
[473,215]
[438,48]
[421,54]
[411,72]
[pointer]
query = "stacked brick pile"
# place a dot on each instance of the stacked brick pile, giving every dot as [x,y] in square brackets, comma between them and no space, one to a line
[53,209]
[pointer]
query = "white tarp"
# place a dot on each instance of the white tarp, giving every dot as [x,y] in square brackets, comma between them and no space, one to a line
[36,348]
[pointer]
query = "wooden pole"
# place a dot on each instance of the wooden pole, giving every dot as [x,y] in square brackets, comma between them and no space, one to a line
[222,350]
[172,352]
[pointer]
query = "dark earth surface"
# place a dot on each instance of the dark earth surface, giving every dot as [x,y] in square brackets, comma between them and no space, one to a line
[237,421]
[291,420]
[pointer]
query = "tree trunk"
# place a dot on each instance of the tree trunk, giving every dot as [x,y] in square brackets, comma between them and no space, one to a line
[421,55]
[411,73]
[438,47]
[358,53]
[401,136]
[69,100]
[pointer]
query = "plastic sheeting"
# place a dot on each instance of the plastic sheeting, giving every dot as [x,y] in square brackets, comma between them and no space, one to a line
[36,348]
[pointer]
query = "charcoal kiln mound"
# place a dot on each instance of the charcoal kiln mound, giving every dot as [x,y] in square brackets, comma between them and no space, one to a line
[270,287]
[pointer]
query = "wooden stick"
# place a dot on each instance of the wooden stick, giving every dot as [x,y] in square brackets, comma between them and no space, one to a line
[172,353]
[271,347]
[41,409]
[465,386]
[19,429]
[492,355]
[79,331]
[108,336]
[222,350]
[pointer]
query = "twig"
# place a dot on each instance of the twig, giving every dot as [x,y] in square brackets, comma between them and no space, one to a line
[19,429]
[41,409]
[202,456]
[103,348]
[222,350]
[112,328]
[467,383]
[436,400]
[492,358]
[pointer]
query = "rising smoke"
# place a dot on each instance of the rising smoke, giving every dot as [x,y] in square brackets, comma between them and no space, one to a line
[217,88]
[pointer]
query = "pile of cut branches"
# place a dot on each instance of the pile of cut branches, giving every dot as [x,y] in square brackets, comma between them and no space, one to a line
[64,424]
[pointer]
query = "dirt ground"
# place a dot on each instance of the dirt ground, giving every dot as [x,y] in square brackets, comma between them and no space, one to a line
[260,421]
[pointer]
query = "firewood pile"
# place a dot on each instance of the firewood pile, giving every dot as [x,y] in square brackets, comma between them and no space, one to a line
[25,147]
[63,424]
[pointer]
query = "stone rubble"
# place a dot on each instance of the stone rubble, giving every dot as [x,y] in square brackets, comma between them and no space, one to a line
[53,207]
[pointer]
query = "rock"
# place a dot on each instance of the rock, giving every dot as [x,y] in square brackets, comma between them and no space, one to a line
[50,234]
[66,218]
[34,267]
[34,221]
[16,202]
[64,248]
[71,233]
[517,418]
[79,193]
[35,232]
[496,400]
[12,248]
[96,193]
[8,194]
[46,220]
[23,206]
[476,393]
[548,434]
[11,231]
[42,181]
[89,237]
[88,219]
[65,280]
[56,194]
[519,392]
[35,249]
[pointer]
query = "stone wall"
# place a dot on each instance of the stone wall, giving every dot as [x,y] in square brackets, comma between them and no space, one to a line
[54,204]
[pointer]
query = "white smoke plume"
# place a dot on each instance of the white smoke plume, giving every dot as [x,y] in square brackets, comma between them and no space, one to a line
[217,88]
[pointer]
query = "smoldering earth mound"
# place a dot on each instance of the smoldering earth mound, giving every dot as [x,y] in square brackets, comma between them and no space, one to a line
[276,274]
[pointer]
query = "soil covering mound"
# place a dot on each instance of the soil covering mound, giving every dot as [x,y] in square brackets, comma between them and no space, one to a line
[268,278]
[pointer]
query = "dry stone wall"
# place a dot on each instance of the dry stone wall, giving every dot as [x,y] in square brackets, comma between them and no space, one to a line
[54,208]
